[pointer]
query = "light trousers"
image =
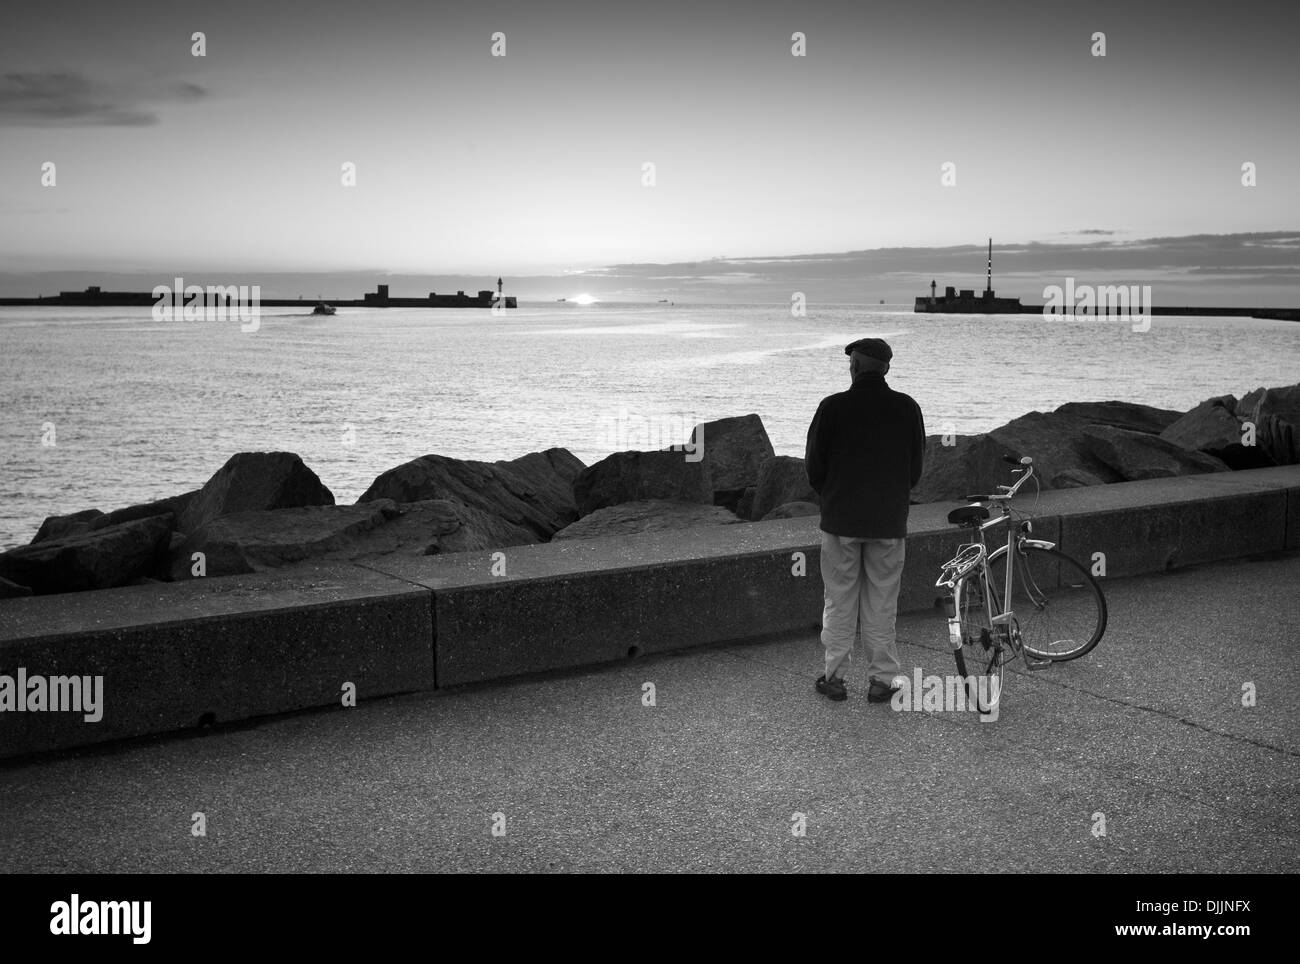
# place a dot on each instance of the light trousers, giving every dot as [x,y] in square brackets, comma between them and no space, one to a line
[861,579]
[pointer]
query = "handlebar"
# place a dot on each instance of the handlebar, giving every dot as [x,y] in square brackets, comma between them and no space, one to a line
[1026,465]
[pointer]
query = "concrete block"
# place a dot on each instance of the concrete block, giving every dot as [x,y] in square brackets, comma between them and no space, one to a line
[1161,524]
[578,603]
[221,649]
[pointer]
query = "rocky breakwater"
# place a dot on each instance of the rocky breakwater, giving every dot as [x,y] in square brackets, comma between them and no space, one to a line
[268,510]
[265,510]
[1094,443]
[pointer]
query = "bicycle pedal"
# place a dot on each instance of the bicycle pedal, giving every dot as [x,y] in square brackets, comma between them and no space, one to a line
[1036,664]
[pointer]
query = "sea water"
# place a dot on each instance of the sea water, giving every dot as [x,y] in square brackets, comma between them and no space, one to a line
[105,407]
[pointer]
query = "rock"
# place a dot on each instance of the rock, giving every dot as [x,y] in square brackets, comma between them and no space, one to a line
[640,476]
[439,526]
[62,526]
[174,505]
[1139,455]
[254,481]
[745,505]
[1213,428]
[1276,417]
[1055,443]
[782,479]
[793,510]
[972,464]
[1073,479]
[534,492]
[271,538]
[11,590]
[650,515]
[100,559]
[1245,408]
[734,450]
[1128,415]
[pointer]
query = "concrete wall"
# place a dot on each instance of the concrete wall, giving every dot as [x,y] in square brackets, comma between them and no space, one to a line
[234,648]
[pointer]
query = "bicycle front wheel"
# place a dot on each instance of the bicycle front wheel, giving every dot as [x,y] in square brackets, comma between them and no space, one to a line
[979,652]
[1060,612]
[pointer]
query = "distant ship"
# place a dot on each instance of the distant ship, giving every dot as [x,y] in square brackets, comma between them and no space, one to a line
[561,299]
[966,302]
[323,309]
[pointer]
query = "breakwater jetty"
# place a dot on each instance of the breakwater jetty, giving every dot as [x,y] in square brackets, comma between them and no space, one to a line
[95,297]
[1101,302]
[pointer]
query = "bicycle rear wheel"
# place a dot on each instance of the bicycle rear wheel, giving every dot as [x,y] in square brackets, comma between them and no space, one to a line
[980,653]
[1060,610]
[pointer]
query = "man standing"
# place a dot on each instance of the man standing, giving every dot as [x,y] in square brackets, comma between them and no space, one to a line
[865,450]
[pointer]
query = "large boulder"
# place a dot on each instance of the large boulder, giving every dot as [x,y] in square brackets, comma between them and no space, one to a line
[971,464]
[792,510]
[1276,416]
[253,481]
[1128,415]
[63,526]
[650,515]
[174,506]
[1055,442]
[641,476]
[533,492]
[1139,455]
[439,526]
[734,450]
[782,479]
[1212,427]
[99,559]
[272,539]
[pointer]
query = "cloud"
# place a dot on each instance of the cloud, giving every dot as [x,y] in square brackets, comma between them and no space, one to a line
[70,99]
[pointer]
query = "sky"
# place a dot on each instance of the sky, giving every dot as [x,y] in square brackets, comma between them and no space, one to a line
[532,164]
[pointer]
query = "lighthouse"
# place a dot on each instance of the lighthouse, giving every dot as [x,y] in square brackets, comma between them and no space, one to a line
[988,287]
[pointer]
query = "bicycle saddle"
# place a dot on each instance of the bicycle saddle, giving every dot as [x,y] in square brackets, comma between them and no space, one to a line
[968,515]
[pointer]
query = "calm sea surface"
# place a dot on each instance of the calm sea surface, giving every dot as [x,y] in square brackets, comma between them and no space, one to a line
[138,410]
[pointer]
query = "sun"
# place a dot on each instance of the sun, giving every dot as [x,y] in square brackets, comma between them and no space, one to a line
[583,300]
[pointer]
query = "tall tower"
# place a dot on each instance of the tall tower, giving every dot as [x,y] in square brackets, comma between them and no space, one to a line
[988,288]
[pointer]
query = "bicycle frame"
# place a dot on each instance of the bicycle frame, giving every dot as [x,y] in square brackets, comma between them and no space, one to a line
[958,568]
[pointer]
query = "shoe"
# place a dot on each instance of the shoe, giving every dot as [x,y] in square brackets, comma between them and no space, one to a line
[881,692]
[834,690]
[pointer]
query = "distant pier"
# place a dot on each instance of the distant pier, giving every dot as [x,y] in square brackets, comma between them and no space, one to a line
[95,297]
[967,302]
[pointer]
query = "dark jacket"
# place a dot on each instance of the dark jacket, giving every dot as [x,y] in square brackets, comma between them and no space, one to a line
[865,448]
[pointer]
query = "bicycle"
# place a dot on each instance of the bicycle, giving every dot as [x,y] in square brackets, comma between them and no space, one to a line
[1055,610]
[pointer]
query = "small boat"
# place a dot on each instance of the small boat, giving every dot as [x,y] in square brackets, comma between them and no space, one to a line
[561,299]
[663,301]
[323,309]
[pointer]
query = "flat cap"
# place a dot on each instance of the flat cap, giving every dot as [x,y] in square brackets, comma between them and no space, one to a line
[876,348]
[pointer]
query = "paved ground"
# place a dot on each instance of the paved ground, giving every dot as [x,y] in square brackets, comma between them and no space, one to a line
[1149,730]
